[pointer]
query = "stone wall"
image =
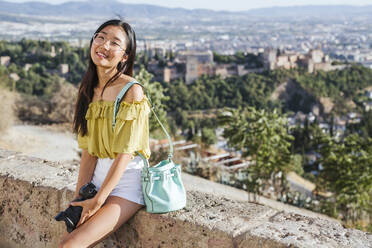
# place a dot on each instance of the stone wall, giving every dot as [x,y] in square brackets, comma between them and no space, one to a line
[34,190]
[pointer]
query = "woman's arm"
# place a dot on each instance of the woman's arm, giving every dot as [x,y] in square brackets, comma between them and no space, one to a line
[86,170]
[91,206]
[113,177]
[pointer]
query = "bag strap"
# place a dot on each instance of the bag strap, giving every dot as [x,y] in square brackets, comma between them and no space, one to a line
[116,109]
[118,100]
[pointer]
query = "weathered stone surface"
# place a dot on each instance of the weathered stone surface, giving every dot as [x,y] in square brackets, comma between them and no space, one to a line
[195,183]
[34,191]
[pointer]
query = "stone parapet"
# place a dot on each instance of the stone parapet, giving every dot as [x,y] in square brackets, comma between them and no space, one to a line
[34,190]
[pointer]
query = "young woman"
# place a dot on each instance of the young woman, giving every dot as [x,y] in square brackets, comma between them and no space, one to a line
[108,158]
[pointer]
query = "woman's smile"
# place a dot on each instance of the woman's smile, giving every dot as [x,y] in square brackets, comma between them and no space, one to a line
[101,55]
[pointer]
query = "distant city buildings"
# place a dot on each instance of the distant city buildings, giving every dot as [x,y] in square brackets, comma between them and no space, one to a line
[5,60]
[52,52]
[174,71]
[197,64]
[14,76]
[313,61]
[346,38]
[189,65]
[27,66]
[63,69]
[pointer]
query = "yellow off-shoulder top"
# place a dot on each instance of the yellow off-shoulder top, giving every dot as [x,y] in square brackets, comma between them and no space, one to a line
[130,135]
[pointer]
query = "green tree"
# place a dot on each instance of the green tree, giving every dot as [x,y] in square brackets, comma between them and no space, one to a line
[347,172]
[307,138]
[263,136]
[179,96]
[208,136]
[158,98]
[364,127]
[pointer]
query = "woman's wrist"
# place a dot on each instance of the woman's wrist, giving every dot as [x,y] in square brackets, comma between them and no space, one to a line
[100,199]
[76,195]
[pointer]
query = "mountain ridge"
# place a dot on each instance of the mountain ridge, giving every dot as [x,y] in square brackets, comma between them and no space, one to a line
[312,9]
[104,9]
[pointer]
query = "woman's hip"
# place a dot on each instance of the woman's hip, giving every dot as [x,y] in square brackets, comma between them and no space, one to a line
[131,175]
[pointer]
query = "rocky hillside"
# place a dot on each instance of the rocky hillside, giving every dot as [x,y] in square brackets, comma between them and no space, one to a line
[295,98]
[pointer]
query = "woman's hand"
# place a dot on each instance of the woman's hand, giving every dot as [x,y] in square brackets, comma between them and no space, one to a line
[90,207]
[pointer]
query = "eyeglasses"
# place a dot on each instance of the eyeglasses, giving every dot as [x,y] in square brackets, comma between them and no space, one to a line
[100,39]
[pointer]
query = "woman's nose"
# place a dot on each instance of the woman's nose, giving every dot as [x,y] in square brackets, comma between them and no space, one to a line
[106,45]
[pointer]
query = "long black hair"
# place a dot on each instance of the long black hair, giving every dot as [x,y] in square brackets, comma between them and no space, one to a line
[90,79]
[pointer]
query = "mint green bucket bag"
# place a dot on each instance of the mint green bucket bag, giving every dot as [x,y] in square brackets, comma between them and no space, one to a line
[162,185]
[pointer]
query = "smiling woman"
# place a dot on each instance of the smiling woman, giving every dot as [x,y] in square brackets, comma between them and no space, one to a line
[109,158]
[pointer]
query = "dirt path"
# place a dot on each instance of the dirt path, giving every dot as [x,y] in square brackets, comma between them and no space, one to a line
[40,142]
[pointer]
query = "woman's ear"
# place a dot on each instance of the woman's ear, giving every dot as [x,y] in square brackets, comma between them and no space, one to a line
[125,58]
[122,64]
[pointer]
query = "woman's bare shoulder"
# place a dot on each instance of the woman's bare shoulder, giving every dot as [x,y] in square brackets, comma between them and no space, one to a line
[135,93]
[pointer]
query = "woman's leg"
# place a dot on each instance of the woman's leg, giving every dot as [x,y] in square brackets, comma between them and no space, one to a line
[115,212]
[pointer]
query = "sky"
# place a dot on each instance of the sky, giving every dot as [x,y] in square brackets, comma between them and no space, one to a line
[230,5]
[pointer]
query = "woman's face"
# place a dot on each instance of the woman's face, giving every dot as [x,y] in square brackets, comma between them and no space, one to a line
[108,48]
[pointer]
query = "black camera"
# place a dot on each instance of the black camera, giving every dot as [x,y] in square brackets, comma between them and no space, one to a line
[72,214]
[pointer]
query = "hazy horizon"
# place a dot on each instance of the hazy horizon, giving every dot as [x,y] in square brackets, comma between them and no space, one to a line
[232,5]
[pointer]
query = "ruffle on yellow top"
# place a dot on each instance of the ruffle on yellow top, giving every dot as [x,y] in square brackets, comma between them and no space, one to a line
[131,132]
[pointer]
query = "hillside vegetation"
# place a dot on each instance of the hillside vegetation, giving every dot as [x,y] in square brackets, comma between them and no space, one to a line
[7,114]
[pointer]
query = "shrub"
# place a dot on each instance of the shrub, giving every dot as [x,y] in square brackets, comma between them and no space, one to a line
[63,103]
[58,109]
[7,116]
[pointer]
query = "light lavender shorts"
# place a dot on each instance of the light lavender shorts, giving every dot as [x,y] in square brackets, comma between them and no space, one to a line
[129,186]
